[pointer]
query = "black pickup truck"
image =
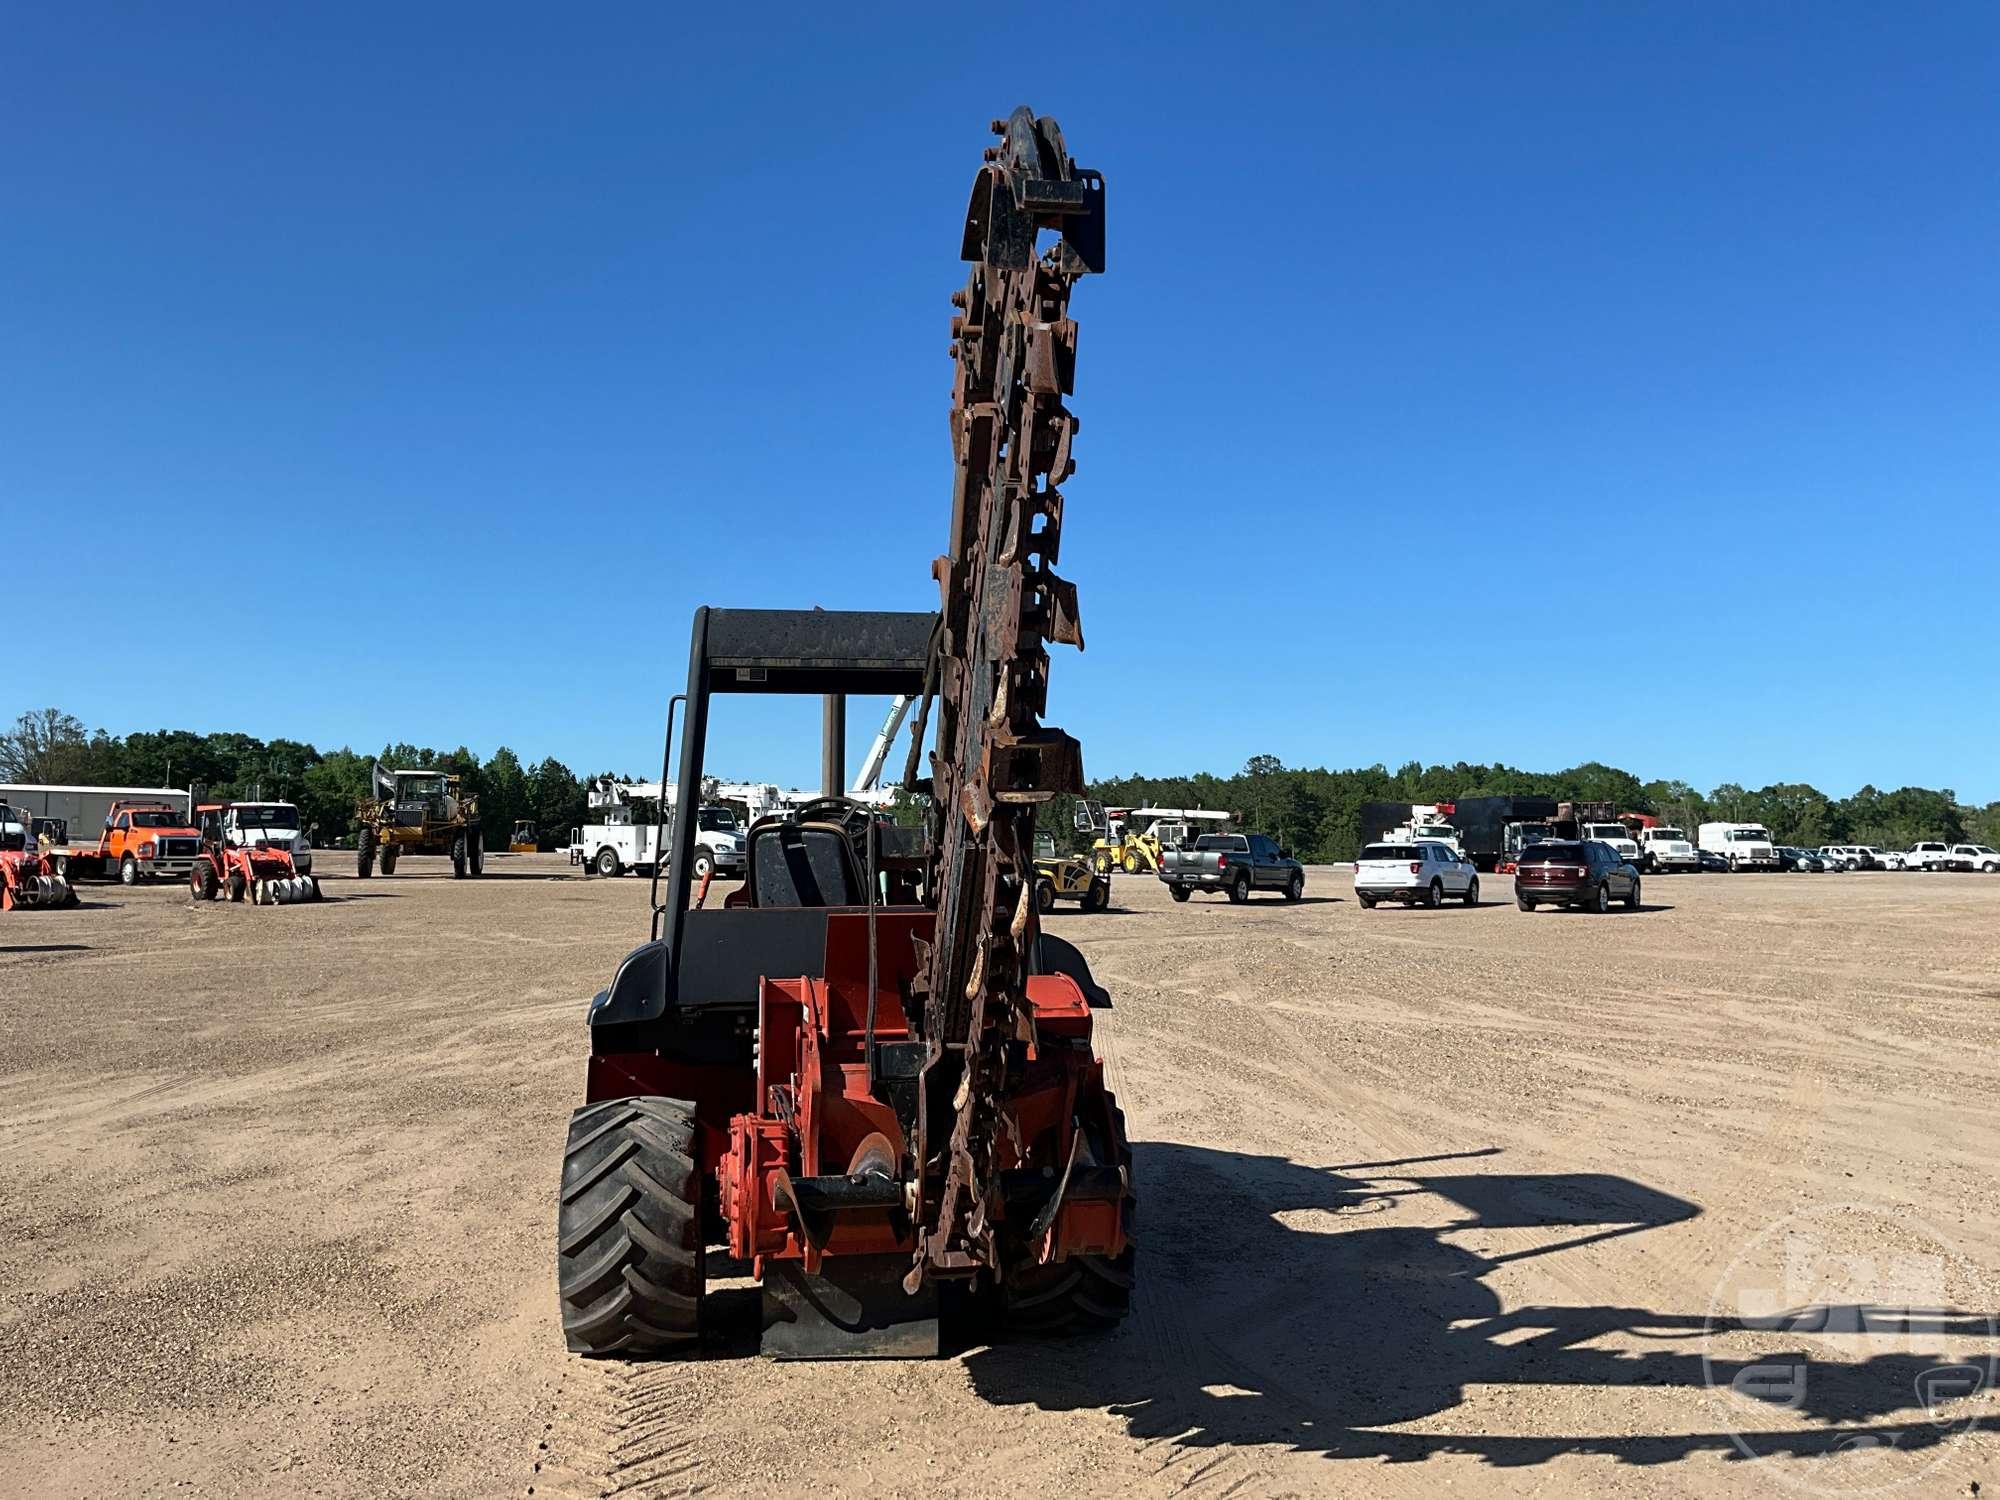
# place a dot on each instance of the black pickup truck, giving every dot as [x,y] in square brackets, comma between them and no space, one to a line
[1233,863]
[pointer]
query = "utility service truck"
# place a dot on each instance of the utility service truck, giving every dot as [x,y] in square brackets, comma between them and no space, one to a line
[628,835]
[1410,823]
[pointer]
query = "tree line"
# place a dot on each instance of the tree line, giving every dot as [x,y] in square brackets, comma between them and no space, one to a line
[1317,812]
[51,746]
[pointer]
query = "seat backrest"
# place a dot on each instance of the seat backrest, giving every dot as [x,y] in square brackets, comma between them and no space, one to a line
[803,864]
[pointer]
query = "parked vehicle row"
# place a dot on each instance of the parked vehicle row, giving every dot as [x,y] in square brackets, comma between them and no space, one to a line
[1928,854]
[1937,855]
[1587,871]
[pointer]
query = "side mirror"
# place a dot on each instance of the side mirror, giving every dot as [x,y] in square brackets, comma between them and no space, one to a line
[1284,853]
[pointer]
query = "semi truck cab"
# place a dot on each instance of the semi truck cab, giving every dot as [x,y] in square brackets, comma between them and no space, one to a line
[1666,849]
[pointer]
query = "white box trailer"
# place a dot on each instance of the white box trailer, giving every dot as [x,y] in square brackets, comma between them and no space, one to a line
[84,808]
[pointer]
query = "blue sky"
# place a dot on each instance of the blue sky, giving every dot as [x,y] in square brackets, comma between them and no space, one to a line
[1531,383]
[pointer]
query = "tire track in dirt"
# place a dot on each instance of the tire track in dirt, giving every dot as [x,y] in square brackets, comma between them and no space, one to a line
[622,1429]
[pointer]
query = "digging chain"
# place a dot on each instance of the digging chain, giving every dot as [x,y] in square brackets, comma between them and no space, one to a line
[1014,347]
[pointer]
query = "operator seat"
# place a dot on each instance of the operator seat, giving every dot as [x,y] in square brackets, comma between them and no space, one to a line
[803,864]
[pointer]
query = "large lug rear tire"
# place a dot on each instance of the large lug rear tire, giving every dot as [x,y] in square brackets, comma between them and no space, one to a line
[1086,1293]
[364,855]
[390,854]
[1131,865]
[475,852]
[201,879]
[458,857]
[628,1229]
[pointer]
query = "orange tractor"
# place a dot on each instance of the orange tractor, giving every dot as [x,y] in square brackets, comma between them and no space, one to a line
[869,1073]
[28,876]
[262,871]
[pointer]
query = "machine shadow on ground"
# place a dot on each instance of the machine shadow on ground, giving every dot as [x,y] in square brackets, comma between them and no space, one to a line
[1270,1312]
[1618,909]
[1278,903]
[490,875]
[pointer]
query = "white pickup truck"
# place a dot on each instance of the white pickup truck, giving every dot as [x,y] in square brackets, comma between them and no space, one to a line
[1935,855]
[1981,857]
[1746,846]
[1666,849]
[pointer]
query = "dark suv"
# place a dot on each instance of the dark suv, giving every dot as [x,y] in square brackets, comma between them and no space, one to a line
[1571,873]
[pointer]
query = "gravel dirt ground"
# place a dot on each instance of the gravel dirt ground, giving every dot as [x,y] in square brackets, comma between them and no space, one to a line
[1430,1198]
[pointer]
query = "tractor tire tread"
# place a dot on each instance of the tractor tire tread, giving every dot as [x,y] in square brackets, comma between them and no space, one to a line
[628,1240]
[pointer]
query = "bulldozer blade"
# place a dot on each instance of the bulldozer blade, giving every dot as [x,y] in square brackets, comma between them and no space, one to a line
[855,1308]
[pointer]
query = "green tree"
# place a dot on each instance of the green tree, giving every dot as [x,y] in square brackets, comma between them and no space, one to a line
[558,800]
[46,745]
[329,791]
[1983,826]
[504,797]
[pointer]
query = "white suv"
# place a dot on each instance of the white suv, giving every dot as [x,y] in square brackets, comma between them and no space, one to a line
[1412,873]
